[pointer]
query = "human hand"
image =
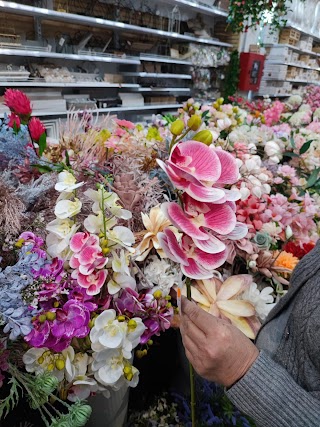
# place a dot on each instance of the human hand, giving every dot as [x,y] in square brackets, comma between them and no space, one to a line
[217,350]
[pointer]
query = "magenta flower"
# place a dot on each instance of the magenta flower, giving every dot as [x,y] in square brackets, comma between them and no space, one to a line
[51,270]
[201,171]
[31,238]
[71,322]
[14,121]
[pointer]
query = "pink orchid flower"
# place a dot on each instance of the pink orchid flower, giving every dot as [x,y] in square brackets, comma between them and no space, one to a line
[88,262]
[87,253]
[201,171]
[195,262]
[91,282]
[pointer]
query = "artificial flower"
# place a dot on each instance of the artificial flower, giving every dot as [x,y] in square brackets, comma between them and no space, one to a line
[154,223]
[18,102]
[67,208]
[221,299]
[67,182]
[36,128]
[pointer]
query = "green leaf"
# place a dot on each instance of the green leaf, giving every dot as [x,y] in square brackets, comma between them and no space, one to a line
[67,158]
[313,178]
[290,154]
[292,142]
[283,139]
[305,146]
[204,114]
[42,168]
[42,143]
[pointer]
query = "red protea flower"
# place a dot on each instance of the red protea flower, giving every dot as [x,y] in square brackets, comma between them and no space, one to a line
[36,128]
[14,121]
[18,102]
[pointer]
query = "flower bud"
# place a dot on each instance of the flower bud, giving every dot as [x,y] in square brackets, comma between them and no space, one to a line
[60,364]
[42,318]
[56,304]
[157,294]
[252,264]
[121,318]
[204,136]
[132,323]
[40,360]
[50,367]
[50,315]
[289,232]
[150,342]
[177,127]
[194,122]
[105,251]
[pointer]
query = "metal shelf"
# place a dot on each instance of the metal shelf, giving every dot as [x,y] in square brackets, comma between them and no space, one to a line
[158,75]
[290,64]
[73,57]
[164,89]
[308,33]
[165,59]
[198,7]
[52,15]
[71,84]
[306,52]
[107,110]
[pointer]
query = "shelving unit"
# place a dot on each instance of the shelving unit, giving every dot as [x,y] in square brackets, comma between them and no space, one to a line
[175,69]
[110,110]
[52,15]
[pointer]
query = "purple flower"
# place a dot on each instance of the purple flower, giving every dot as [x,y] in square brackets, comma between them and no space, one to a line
[71,321]
[52,269]
[80,294]
[30,237]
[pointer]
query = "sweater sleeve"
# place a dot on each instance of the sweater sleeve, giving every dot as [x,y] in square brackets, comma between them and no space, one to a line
[269,395]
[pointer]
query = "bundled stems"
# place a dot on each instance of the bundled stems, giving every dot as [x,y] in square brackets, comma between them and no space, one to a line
[191,371]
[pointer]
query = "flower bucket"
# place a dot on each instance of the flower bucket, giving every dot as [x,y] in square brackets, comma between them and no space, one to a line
[109,412]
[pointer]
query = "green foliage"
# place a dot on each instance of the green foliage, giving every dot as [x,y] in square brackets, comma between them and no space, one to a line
[11,401]
[305,146]
[232,76]
[252,13]
[42,143]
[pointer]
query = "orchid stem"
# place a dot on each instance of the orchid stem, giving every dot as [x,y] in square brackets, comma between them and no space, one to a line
[191,372]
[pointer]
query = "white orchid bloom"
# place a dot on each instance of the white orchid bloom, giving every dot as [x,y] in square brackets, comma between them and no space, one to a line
[76,373]
[39,360]
[67,182]
[120,263]
[122,236]
[95,223]
[120,281]
[108,333]
[61,231]
[108,200]
[67,208]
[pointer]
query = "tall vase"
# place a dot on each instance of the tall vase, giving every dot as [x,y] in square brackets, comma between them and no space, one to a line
[109,412]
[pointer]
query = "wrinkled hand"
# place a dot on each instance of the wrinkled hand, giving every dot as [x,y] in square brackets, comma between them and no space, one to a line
[217,350]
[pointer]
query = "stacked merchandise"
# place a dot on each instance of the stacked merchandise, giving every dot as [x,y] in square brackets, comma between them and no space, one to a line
[290,64]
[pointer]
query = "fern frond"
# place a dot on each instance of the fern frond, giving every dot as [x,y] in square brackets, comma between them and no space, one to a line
[9,403]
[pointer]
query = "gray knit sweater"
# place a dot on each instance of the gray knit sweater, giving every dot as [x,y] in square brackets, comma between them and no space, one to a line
[283,389]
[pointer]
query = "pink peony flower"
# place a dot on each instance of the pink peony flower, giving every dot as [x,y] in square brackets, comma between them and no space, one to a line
[201,171]
[125,123]
[18,102]
[36,129]
[14,121]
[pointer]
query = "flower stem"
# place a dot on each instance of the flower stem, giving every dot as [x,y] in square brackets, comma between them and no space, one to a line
[191,372]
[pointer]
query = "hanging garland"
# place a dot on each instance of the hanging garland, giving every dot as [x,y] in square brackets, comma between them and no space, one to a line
[232,76]
[247,14]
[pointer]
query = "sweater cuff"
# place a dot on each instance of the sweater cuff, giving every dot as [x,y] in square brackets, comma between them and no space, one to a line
[269,395]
